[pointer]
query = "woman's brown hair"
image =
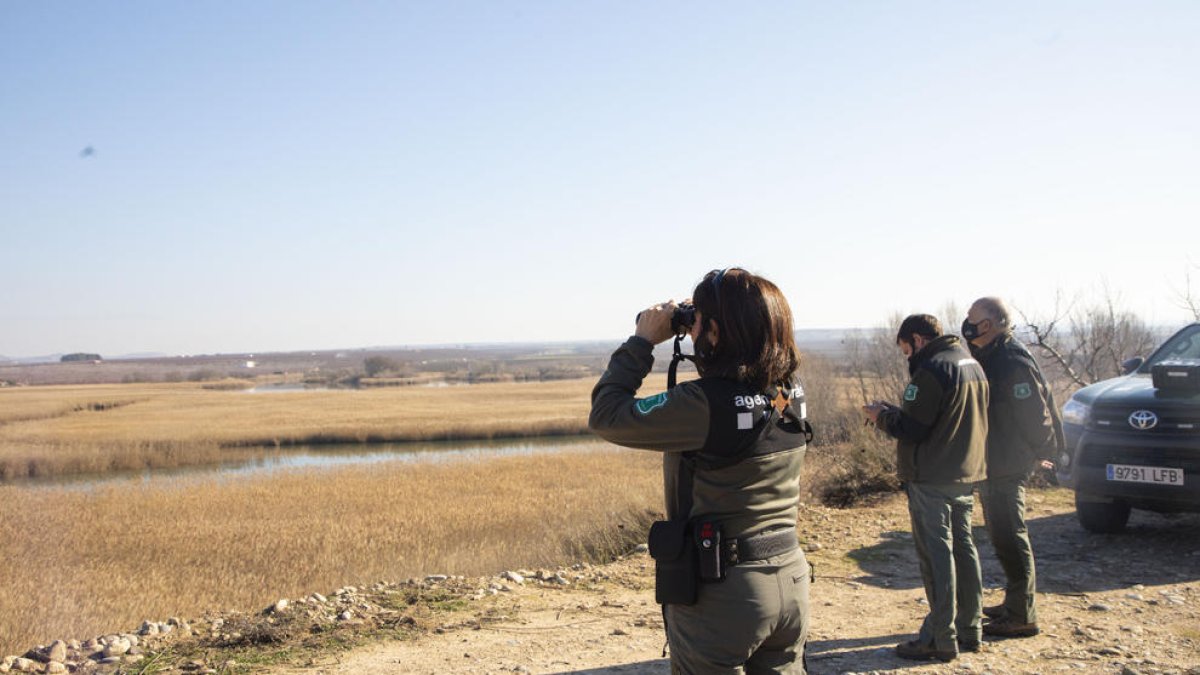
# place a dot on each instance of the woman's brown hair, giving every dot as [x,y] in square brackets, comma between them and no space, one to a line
[756,344]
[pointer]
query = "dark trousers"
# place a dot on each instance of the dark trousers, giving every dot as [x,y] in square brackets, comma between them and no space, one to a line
[941,524]
[1004,512]
[755,622]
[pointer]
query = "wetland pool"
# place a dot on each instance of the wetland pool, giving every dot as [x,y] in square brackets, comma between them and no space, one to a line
[263,461]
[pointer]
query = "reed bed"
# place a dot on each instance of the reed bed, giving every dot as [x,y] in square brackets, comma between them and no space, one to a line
[61,430]
[80,562]
[18,404]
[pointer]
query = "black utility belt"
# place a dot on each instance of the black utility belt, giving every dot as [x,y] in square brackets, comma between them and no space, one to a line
[759,547]
[690,552]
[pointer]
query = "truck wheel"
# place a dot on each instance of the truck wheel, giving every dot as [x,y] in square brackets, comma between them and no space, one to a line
[1102,517]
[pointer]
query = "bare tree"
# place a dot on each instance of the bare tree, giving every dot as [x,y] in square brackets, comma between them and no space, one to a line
[874,362]
[1097,340]
[1188,298]
[951,316]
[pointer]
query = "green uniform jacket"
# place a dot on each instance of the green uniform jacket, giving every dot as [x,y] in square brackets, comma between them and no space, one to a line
[1024,426]
[707,419]
[941,426]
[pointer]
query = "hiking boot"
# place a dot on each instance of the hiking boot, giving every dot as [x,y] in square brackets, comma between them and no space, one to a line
[973,646]
[994,612]
[921,652]
[1010,629]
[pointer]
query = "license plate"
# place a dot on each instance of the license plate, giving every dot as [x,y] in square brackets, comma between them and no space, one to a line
[1145,474]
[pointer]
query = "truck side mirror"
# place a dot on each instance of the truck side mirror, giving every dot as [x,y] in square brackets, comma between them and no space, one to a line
[1130,365]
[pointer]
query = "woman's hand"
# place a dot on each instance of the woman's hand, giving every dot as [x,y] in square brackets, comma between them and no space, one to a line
[654,323]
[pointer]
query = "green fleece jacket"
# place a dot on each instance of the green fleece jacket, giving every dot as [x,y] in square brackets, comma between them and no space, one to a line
[941,425]
[1023,421]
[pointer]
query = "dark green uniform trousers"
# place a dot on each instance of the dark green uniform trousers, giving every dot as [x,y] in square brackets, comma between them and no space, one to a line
[1004,512]
[941,524]
[755,622]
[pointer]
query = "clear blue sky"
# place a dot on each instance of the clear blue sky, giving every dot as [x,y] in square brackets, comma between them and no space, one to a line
[300,175]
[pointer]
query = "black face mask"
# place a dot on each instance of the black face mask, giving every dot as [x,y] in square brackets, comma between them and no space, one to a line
[970,331]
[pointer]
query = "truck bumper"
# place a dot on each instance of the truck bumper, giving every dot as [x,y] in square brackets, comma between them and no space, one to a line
[1090,452]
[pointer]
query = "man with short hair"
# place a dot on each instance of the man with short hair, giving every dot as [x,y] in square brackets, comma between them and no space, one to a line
[941,431]
[1024,430]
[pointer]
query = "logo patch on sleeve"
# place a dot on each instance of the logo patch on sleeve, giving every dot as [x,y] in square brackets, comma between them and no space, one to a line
[745,420]
[910,392]
[648,405]
[1022,391]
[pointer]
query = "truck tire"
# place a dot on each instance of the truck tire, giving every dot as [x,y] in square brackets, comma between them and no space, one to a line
[1102,517]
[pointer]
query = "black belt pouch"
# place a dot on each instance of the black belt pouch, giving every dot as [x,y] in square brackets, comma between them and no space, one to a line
[676,564]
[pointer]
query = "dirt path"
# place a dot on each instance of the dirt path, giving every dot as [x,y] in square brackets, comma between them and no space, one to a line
[1126,603]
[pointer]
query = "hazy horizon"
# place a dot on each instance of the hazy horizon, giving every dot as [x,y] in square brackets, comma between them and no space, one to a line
[359,348]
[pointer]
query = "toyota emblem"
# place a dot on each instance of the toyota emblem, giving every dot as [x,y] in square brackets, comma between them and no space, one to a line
[1143,419]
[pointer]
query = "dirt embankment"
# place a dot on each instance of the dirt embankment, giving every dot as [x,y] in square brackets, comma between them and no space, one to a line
[1126,603]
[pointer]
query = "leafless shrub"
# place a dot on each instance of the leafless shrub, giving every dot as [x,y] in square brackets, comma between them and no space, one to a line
[378,365]
[874,363]
[849,462]
[1188,298]
[1096,339]
[849,473]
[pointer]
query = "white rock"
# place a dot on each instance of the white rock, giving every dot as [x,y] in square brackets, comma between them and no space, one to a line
[434,578]
[57,651]
[345,616]
[641,548]
[117,648]
[317,597]
[513,577]
[280,606]
[24,665]
[148,628]
[55,668]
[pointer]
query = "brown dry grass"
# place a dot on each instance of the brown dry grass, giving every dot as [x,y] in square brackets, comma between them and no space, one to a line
[80,562]
[60,430]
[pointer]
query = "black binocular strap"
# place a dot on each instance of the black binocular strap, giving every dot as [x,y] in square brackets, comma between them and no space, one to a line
[675,359]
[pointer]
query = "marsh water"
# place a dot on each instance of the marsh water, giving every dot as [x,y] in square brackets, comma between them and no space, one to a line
[254,461]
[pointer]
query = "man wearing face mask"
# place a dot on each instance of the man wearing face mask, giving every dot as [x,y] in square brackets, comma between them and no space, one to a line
[941,432]
[1024,430]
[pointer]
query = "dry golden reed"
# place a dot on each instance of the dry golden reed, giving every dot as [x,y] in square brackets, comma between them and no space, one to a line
[81,562]
[84,429]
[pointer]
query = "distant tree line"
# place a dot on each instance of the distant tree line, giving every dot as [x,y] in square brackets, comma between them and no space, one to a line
[80,356]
